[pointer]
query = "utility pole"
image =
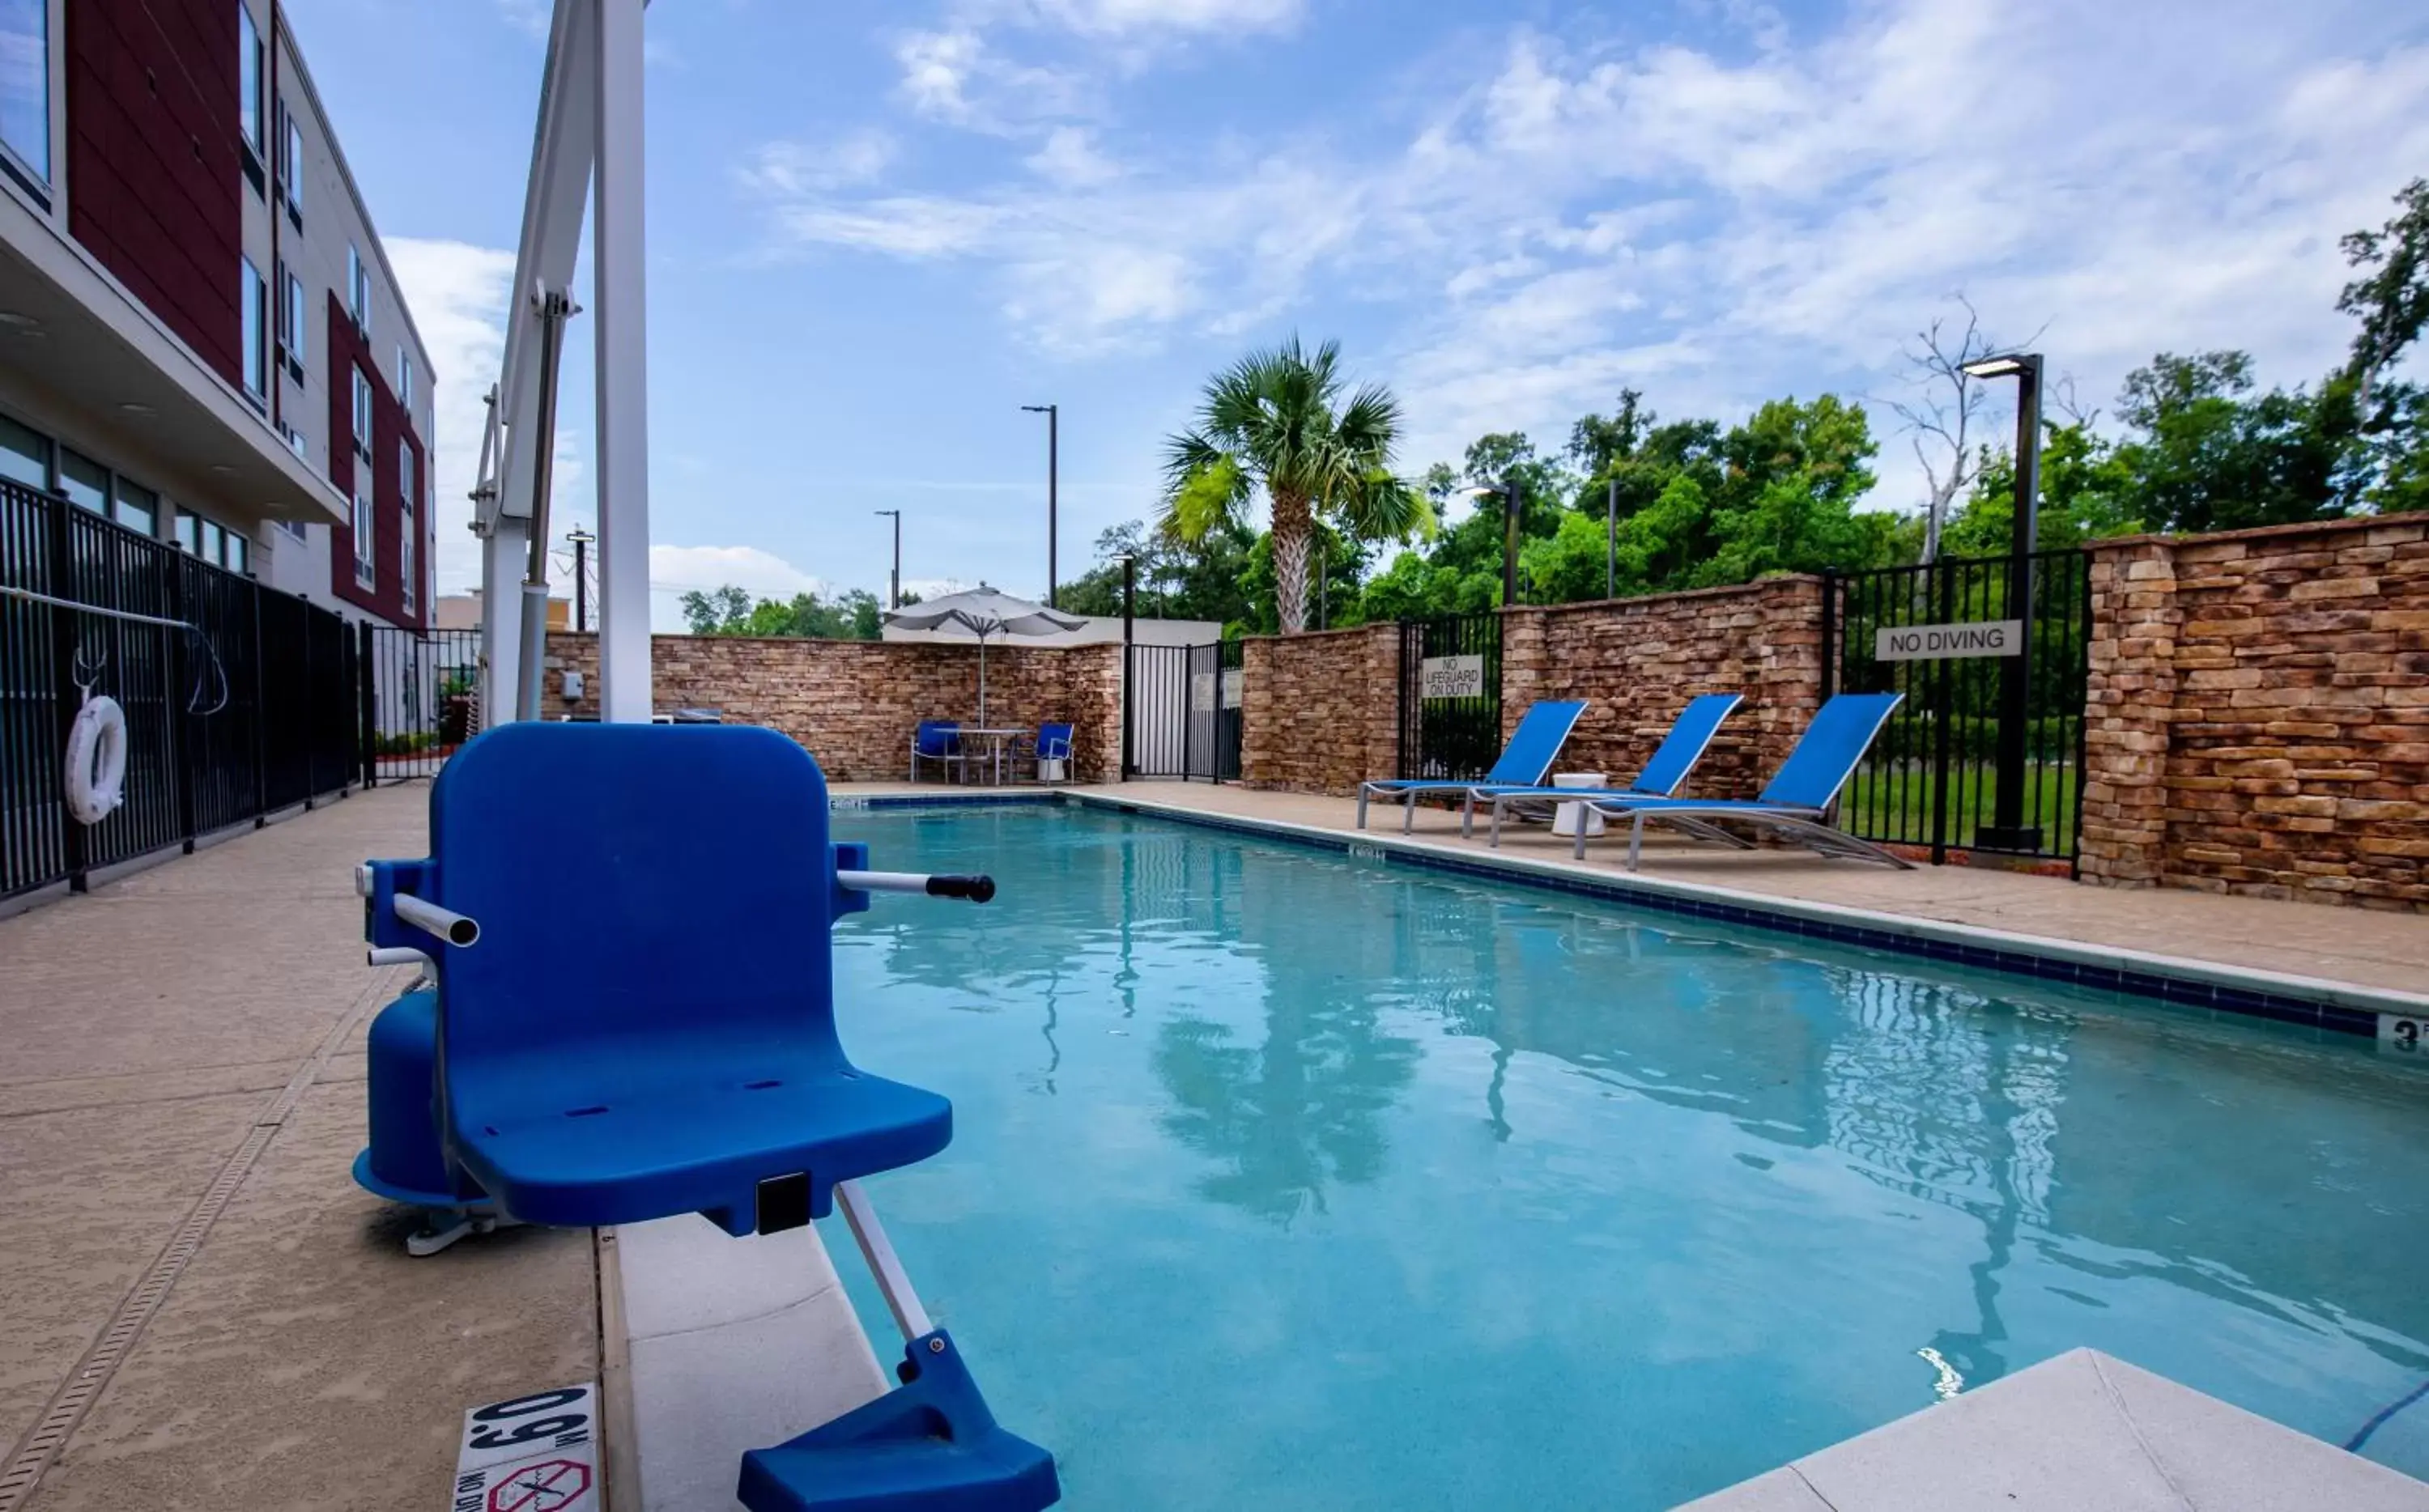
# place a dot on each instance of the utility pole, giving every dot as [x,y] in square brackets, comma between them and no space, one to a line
[580,540]
[894,584]
[1510,506]
[1054,468]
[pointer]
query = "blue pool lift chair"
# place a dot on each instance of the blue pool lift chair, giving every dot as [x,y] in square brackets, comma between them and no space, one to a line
[939,741]
[629,930]
[1526,761]
[1796,803]
[1053,744]
[1691,735]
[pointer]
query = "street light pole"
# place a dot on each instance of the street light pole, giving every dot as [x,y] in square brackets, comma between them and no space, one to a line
[1053,471]
[1611,539]
[1509,508]
[2008,829]
[894,584]
[580,540]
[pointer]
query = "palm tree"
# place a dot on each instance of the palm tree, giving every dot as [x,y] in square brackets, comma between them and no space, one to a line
[1270,421]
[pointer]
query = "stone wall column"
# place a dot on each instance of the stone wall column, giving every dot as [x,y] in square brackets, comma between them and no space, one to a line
[1525,659]
[2128,711]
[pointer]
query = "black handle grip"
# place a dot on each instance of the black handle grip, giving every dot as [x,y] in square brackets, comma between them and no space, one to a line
[977,889]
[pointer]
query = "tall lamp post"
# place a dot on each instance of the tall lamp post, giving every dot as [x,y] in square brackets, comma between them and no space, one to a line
[1507,491]
[1053,466]
[580,540]
[2008,829]
[894,584]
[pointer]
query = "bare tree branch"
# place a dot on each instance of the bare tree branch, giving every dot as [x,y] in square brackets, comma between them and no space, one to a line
[1943,416]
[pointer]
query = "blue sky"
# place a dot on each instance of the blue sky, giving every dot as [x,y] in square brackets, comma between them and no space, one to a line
[878,230]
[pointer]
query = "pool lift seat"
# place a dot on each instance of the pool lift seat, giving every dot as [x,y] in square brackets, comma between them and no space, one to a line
[630,927]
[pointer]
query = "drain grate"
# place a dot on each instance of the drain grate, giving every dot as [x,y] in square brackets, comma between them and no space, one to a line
[76,1396]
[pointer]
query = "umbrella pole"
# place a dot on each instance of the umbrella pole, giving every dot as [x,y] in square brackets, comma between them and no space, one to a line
[983,680]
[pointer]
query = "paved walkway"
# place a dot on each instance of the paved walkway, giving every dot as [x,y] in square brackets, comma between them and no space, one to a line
[2365,948]
[150,1034]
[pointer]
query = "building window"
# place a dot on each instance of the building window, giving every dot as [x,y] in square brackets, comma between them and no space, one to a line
[25,454]
[256,333]
[405,556]
[138,508]
[405,378]
[366,562]
[362,414]
[84,481]
[25,85]
[290,162]
[240,553]
[295,528]
[294,439]
[358,290]
[250,102]
[298,328]
[190,532]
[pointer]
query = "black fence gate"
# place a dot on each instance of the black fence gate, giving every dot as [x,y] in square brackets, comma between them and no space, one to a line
[1183,717]
[421,695]
[1986,753]
[1450,697]
[239,701]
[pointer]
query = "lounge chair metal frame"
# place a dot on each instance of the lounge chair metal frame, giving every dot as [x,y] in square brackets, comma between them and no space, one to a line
[1562,711]
[1664,773]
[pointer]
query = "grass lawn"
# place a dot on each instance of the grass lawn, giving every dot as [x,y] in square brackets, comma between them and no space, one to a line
[1895,803]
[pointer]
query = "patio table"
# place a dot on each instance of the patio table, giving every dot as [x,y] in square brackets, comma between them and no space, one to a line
[997,740]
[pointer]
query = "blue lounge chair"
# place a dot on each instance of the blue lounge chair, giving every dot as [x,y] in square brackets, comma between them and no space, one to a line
[1797,801]
[1691,735]
[1524,762]
[939,741]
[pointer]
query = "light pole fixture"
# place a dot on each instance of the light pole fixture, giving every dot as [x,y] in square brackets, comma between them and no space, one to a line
[2008,829]
[1507,491]
[1053,413]
[894,584]
[581,539]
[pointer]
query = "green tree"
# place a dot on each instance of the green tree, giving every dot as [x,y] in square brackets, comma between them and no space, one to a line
[1176,579]
[1278,421]
[853,614]
[2208,454]
[2391,299]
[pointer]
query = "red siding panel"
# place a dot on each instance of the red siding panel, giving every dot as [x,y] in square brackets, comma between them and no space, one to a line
[390,425]
[153,157]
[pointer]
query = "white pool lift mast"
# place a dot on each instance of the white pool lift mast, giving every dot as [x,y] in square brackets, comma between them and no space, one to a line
[587,156]
[587,153]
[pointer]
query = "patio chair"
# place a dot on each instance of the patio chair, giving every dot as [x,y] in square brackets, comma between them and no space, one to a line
[1053,744]
[1690,734]
[1524,762]
[939,741]
[1797,801]
[637,1020]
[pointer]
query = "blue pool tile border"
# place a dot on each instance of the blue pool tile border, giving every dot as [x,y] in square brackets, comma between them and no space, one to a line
[2133,981]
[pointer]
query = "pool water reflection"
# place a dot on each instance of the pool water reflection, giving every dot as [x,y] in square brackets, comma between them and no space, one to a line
[1286,1180]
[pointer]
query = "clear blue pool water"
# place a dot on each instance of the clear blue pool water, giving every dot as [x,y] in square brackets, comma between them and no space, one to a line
[1285,1180]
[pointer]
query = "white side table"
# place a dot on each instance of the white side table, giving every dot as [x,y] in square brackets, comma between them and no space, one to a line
[1564,819]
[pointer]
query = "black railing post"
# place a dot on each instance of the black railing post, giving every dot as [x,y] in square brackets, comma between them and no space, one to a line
[60,583]
[180,713]
[1130,663]
[367,717]
[1942,680]
[260,712]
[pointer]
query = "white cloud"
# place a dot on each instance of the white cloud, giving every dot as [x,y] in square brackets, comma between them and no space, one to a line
[1128,18]
[675,570]
[1070,159]
[458,293]
[955,77]
[794,168]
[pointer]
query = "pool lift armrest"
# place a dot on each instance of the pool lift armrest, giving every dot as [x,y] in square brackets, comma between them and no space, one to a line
[978,889]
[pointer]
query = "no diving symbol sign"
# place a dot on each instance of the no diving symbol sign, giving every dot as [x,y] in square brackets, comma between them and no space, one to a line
[551,1486]
[530,1453]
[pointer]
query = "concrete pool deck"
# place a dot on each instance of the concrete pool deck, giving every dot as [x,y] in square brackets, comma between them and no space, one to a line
[192,1033]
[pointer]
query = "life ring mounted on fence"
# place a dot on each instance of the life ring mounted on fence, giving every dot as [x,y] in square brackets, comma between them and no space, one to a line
[96,774]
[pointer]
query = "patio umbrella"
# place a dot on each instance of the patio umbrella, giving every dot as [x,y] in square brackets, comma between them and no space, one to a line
[982,612]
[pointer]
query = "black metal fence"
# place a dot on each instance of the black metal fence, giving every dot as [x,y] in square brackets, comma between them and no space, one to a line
[419,691]
[1986,753]
[1184,711]
[239,701]
[1450,695]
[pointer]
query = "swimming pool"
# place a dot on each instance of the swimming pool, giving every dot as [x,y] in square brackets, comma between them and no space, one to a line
[1288,1180]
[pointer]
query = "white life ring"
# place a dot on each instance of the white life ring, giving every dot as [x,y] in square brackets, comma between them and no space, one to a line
[96,760]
